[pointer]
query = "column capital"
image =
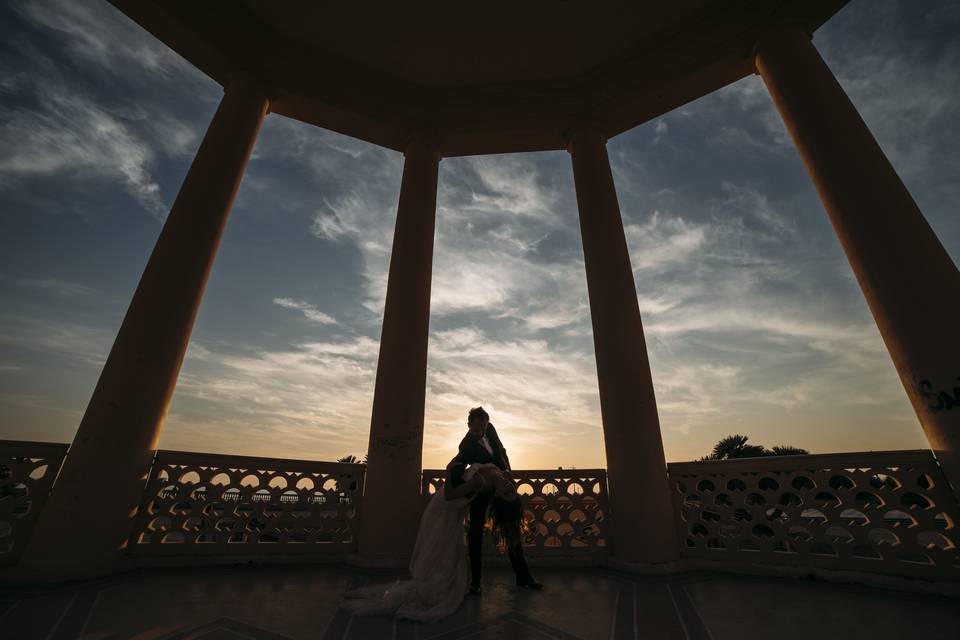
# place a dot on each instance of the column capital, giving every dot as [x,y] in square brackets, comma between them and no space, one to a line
[778,35]
[422,142]
[246,82]
[583,129]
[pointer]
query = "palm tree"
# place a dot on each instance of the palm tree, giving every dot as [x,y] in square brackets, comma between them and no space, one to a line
[735,446]
[787,450]
[352,459]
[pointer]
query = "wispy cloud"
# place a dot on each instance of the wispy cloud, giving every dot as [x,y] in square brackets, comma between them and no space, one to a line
[50,285]
[71,135]
[103,36]
[308,310]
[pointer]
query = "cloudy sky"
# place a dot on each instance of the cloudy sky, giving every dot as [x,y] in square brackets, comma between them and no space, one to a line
[754,321]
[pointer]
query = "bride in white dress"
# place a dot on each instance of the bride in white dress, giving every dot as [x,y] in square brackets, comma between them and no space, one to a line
[439,568]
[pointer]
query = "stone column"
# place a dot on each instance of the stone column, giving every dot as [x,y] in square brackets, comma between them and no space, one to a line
[910,283]
[84,526]
[641,517]
[391,497]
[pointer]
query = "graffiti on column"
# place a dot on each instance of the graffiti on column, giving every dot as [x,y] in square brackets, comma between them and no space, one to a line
[940,400]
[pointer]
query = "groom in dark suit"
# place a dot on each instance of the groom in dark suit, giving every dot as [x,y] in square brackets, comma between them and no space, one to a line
[482,445]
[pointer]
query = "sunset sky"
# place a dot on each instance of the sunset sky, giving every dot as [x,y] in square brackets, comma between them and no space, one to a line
[753,319]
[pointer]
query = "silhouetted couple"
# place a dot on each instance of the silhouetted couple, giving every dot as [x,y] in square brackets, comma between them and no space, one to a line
[477,480]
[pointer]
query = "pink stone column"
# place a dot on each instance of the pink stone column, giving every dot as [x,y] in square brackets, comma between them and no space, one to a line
[391,498]
[84,527]
[641,512]
[910,283]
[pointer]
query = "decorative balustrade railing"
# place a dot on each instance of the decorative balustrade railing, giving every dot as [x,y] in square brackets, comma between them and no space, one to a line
[885,512]
[201,503]
[27,470]
[564,511]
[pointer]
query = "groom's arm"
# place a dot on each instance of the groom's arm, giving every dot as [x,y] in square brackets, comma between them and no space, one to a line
[494,437]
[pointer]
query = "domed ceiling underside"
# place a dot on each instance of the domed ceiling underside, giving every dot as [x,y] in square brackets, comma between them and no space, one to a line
[487,77]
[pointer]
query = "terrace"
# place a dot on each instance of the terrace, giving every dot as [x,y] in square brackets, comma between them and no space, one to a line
[231,547]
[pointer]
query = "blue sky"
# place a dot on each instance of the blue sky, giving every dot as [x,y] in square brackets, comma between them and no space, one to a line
[753,319]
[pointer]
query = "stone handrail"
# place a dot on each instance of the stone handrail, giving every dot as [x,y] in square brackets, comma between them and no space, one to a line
[886,512]
[565,511]
[27,470]
[201,503]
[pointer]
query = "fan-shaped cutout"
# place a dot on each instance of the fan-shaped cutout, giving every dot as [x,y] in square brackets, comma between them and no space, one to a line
[854,516]
[773,514]
[755,499]
[924,481]
[883,536]
[884,481]
[839,534]
[840,481]
[39,472]
[691,500]
[912,500]
[789,499]
[826,499]
[190,477]
[194,523]
[897,518]
[159,524]
[742,515]
[736,484]
[868,499]
[813,516]
[934,540]
[181,508]
[768,484]
[221,479]
[762,531]
[943,521]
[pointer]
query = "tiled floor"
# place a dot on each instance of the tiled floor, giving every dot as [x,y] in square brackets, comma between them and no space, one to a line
[276,602]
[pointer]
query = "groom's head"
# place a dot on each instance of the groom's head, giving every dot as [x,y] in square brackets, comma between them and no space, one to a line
[477,421]
[455,471]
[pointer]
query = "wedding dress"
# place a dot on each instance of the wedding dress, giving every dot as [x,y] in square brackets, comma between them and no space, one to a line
[439,569]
